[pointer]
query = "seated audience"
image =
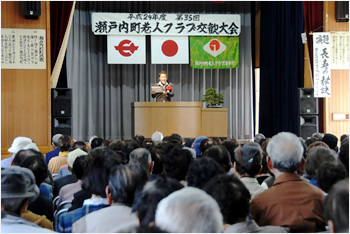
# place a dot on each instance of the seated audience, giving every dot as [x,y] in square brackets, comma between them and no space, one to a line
[196,144]
[99,163]
[143,157]
[16,193]
[206,144]
[230,145]
[55,150]
[248,166]
[34,161]
[201,171]
[146,202]
[64,143]
[233,199]
[317,136]
[220,154]
[330,173]
[337,207]
[139,139]
[344,153]
[189,210]
[67,191]
[124,182]
[129,146]
[96,142]
[315,144]
[315,158]
[291,195]
[331,141]
[18,144]
[259,138]
[157,137]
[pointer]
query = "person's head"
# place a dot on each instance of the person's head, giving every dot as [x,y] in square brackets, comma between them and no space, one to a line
[316,157]
[157,137]
[337,207]
[343,137]
[221,155]
[259,138]
[201,171]
[315,144]
[309,141]
[189,210]
[163,78]
[139,139]
[55,140]
[231,195]
[317,136]
[196,144]
[64,143]
[36,163]
[124,182]
[205,144]
[248,160]
[285,152]
[143,157]
[331,141]
[73,155]
[344,153]
[18,144]
[96,142]
[18,189]
[230,145]
[176,162]
[78,145]
[145,204]
[329,173]
[78,168]
[175,139]
[99,163]
[129,146]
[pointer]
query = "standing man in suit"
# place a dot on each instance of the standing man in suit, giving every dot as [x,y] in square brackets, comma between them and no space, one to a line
[167,89]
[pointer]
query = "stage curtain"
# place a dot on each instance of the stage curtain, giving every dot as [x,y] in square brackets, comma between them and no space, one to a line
[59,17]
[313,16]
[103,93]
[281,66]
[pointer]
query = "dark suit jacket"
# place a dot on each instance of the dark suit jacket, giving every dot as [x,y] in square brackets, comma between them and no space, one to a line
[42,206]
[60,182]
[160,97]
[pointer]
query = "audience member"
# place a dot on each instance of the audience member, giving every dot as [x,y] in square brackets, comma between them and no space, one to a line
[139,139]
[221,155]
[315,144]
[248,166]
[143,157]
[230,145]
[343,137]
[96,142]
[55,150]
[205,144]
[317,136]
[315,158]
[331,141]
[291,195]
[95,179]
[175,139]
[157,137]
[64,143]
[337,207]
[189,210]
[16,193]
[67,191]
[176,162]
[309,141]
[201,171]
[130,145]
[259,138]
[157,153]
[18,144]
[196,144]
[329,173]
[124,182]
[344,153]
[78,145]
[233,199]
[153,192]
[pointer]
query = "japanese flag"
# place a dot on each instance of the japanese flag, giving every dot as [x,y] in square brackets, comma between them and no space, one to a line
[126,49]
[169,50]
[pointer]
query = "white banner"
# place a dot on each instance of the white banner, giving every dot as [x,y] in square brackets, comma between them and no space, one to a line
[126,49]
[169,50]
[339,50]
[23,48]
[322,71]
[166,24]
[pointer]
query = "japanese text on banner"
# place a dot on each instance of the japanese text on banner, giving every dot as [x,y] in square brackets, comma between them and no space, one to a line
[165,24]
[322,72]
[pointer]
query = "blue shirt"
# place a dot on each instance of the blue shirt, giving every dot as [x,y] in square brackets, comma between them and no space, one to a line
[51,154]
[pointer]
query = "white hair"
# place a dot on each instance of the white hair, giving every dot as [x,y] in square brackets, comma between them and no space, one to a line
[285,151]
[189,210]
[157,137]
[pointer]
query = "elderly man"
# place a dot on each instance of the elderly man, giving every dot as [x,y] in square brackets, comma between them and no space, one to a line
[16,192]
[189,210]
[18,144]
[143,157]
[290,202]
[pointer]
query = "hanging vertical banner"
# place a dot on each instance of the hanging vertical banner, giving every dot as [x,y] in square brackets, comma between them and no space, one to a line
[169,50]
[126,49]
[339,42]
[322,72]
[214,52]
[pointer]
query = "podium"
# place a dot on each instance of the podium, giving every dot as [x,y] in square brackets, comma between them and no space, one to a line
[188,119]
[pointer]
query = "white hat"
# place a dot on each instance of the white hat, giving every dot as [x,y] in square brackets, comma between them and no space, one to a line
[157,137]
[19,143]
[31,145]
[74,155]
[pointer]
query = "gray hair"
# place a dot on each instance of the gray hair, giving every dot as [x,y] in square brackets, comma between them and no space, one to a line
[189,210]
[13,205]
[285,151]
[141,156]
[157,137]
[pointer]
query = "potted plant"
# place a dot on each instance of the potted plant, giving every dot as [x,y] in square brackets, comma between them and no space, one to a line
[213,99]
